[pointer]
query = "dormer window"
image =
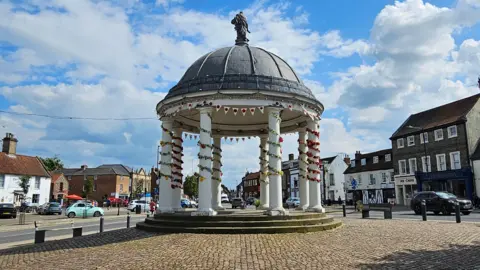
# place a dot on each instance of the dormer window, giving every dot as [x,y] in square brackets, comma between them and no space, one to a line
[388,158]
[400,143]
[352,163]
[411,140]
[375,159]
[364,161]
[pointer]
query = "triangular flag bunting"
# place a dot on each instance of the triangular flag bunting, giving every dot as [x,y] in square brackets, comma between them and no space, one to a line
[252,111]
[290,107]
[195,137]
[190,105]
[231,139]
[261,109]
[237,139]
[218,107]
[243,139]
[235,111]
[226,109]
[244,111]
[249,137]
[191,136]
[186,135]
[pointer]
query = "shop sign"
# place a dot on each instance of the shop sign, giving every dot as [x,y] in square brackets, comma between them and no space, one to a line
[410,180]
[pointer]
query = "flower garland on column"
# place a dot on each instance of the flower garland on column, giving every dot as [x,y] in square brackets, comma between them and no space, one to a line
[301,155]
[203,146]
[313,146]
[217,157]
[177,164]
[163,144]
[271,170]
[263,164]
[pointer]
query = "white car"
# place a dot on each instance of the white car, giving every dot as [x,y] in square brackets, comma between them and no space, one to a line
[145,206]
[193,203]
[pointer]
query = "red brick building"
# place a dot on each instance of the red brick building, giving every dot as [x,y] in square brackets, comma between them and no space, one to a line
[251,185]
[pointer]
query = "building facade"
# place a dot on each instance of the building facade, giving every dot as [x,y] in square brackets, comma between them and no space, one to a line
[332,173]
[432,150]
[59,187]
[251,185]
[369,178]
[290,178]
[141,183]
[13,166]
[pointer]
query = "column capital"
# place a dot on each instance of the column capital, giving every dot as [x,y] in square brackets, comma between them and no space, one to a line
[263,136]
[205,109]
[273,109]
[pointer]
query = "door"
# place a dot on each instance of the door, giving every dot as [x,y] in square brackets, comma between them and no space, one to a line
[79,209]
[90,210]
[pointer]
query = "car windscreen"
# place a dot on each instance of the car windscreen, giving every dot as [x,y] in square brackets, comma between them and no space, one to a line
[55,204]
[445,195]
[6,205]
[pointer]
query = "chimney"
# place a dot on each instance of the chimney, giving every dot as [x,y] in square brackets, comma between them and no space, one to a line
[291,157]
[346,159]
[9,144]
[357,155]
[83,167]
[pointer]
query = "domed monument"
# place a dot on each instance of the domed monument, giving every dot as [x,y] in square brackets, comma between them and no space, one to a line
[239,91]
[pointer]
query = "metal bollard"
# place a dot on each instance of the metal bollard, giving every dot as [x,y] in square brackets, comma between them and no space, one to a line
[344,208]
[77,232]
[423,207]
[128,220]
[39,236]
[101,224]
[457,212]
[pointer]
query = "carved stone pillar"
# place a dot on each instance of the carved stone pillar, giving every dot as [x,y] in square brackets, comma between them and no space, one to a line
[165,174]
[275,163]
[177,175]
[264,185]
[302,167]
[315,202]
[217,174]
[205,166]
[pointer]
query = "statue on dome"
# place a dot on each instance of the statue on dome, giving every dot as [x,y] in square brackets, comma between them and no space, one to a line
[241,26]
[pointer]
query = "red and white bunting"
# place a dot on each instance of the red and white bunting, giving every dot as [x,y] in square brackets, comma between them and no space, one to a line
[252,111]
[243,139]
[218,107]
[249,137]
[191,136]
[231,139]
[195,137]
[290,107]
[261,109]
[235,111]
[189,105]
[225,109]
[244,111]
[186,135]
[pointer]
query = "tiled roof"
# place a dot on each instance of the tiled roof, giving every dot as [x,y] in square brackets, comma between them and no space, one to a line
[118,168]
[55,176]
[328,159]
[252,176]
[88,171]
[443,115]
[370,166]
[21,165]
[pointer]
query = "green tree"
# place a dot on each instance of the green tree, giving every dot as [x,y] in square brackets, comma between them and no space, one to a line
[88,187]
[52,164]
[138,188]
[24,184]
[190,186]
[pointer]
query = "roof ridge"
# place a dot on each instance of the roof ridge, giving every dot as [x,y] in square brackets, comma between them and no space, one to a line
[446,104]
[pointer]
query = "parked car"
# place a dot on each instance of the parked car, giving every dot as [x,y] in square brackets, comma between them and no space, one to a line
[293,202]
[50,208]
[238,202]
[439,201]
[224,198]
[145,206]
[81,209]
[193,204]
[8,210]
[250,201]
[185,203]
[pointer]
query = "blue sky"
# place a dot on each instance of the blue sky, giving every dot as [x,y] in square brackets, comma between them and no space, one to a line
[371,63]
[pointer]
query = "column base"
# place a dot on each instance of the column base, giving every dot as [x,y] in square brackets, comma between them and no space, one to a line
[163,210]
[218,208]
[179,209]
[302,207]
[280,211]
[204,212]
[317,208]
[263,207]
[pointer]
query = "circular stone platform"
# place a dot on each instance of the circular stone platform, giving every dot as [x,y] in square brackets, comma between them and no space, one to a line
[239,222]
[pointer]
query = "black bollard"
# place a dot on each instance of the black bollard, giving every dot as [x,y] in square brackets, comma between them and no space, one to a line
[423,207]
[101,224]
[77,232]
[128,220]
[344,208]
[118,212]
[39,236]
[457,212]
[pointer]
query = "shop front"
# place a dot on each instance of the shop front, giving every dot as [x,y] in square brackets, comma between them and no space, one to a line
[458,182]
[405,188]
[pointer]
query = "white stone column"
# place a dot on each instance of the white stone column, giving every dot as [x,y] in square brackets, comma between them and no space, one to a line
[177,170]
[275,163]
[315,202]
[165,174]
[264,184]
[302,167]
[205,166]
[217,174]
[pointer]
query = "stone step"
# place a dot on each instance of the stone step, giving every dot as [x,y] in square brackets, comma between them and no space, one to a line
[239,230]
[234,223]
[238,217]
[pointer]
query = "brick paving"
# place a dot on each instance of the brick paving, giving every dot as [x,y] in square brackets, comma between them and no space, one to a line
[359,244]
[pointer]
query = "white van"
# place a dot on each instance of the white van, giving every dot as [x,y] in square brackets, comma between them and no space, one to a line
[225,198]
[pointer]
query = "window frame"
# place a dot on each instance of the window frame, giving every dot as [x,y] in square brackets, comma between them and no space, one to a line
[331,179]
[423,137]
[437,138]
[352,163]
[400,167]
[372,180]
[363,161]
[38,181]
[384,177]
[2,181]
[449,134]
[400,143]
[438,163]
[452,160]
[410,166]
[429,164]
[375,159]
[389,158]
[411,140]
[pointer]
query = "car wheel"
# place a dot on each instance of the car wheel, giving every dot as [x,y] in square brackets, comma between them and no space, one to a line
[96,214]
[466,213]
[445,211]
[417,210]
[71,215]
[436,212]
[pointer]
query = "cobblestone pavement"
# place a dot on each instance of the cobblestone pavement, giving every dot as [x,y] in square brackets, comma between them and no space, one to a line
[359,244]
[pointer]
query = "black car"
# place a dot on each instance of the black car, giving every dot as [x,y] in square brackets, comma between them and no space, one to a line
[8,210]
[439,201]
[238,202]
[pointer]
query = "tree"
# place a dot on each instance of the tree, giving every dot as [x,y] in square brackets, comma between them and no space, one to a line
[52,164]
[24,184]
[88,187]
[138,187]
[190,186]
